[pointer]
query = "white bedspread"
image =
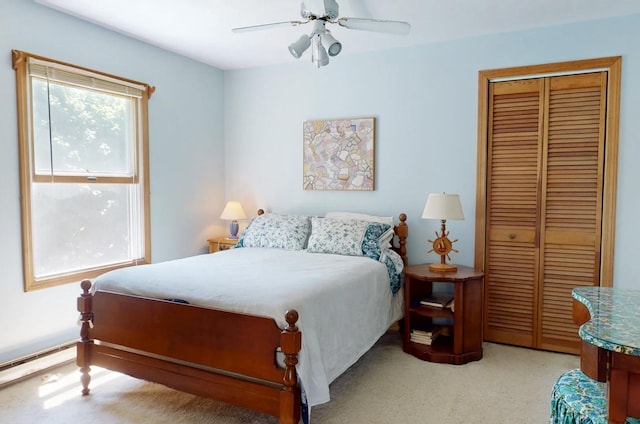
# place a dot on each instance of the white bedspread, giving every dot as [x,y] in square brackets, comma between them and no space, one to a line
[344,302]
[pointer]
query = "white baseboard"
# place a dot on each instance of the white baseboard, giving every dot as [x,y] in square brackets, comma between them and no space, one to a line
[22,368]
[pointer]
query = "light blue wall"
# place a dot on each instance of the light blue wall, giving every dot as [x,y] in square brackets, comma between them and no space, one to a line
[425,102]
[186,158]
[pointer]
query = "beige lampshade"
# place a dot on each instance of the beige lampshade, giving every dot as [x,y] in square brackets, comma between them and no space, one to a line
[233,211]
[443,206]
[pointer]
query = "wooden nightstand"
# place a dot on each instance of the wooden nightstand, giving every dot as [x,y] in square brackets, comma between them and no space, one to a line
[217,244]
[462,327]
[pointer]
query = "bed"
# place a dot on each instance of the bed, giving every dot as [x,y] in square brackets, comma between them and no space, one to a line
[267,325]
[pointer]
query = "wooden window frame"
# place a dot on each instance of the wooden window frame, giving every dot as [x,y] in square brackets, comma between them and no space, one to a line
[613,66]
[20,62]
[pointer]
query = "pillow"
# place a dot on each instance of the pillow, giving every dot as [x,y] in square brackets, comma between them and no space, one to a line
[339,236]
[361,216]
[385,241]
[276,230]
[351,237]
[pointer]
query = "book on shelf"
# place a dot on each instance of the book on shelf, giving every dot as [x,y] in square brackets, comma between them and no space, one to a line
[424,336]
[438,300]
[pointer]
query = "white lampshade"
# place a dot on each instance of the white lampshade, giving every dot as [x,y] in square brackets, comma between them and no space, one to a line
[443,206]
[233,211]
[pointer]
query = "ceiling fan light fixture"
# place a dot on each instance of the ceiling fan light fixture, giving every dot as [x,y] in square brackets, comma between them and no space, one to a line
[299,46]
[322,59]
[321,41]
[333,46]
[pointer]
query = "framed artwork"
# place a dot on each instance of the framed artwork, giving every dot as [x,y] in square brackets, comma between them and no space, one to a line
[338,154]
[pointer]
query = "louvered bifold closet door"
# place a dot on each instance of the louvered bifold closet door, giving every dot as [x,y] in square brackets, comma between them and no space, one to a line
[514,162]
[572,193]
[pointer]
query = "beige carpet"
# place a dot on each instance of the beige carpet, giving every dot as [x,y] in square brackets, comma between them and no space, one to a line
[509,385]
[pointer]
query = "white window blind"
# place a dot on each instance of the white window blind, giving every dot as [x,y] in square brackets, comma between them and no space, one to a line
[60,73]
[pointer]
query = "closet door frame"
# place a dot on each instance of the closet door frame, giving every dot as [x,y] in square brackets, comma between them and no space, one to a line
[613,67]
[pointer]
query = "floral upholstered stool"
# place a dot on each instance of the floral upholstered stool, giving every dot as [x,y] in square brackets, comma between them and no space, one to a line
[578,399]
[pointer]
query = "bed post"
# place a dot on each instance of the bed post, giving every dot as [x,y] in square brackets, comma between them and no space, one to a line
[84,345]
[402,231]
[290,343]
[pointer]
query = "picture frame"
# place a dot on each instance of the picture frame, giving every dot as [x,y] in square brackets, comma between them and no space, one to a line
[339,154]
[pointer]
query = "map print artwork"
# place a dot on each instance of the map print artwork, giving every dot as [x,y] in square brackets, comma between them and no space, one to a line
[339,154]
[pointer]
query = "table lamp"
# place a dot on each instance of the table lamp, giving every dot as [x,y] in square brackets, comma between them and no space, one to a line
[233,211]
[443,206]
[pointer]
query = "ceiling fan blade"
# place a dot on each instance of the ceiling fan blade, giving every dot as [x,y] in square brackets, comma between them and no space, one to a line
[331,9]
[392,27]
[304,11]
[268,26]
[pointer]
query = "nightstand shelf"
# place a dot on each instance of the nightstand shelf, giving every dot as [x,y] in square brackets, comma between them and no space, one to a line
[217,244]
[431,311]
[461,338]
[441,347]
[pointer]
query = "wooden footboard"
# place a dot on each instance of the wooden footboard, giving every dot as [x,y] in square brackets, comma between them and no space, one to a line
[222,355]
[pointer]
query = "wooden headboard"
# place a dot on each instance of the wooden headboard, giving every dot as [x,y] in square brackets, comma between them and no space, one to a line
[402,232]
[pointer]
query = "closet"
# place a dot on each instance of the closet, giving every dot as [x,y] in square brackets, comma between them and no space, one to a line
[545,207]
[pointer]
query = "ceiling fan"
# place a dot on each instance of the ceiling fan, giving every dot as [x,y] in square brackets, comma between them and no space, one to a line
[322,42]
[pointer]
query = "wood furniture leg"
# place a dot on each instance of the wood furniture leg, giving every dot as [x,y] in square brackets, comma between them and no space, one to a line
[594,361]
[290,343]
[86,317]
[624,388]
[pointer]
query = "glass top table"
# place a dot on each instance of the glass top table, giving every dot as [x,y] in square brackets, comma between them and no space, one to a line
[615,318]
[610,348]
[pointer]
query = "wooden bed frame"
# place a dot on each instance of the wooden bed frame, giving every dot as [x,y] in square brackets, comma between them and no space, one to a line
[212,353]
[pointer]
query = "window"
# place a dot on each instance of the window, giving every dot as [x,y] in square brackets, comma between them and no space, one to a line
[84,176]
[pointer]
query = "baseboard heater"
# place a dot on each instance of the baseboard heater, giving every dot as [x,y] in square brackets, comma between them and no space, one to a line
[21,368]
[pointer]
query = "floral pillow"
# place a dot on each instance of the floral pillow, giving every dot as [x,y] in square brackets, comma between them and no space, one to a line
[276,230]
[385,240]
[352,237]
[339,236]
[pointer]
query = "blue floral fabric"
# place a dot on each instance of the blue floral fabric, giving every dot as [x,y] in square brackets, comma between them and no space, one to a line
[578,399]
[371,248]
[277,231]
[337,236]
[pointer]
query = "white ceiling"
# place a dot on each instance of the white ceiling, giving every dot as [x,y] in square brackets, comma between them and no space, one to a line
[201,29]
